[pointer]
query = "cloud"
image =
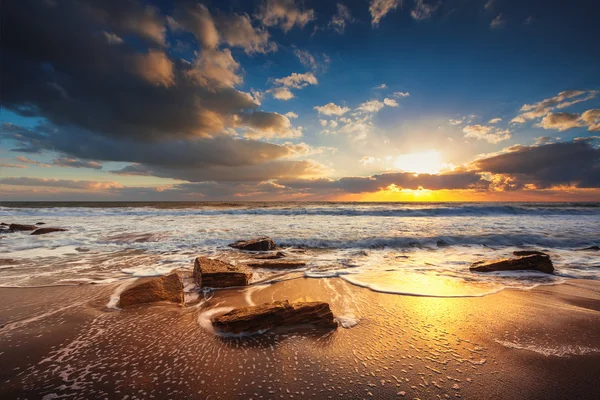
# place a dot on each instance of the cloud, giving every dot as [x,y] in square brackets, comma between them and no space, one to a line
[112,38]
[284,13]
[382,86]
[488,133]
[423,10]
[542,108]
[307,59]
[237,30]
[281,93]
[563,121]
[5,165]
[401,94]
[379,8]
[489,4]
[291,114]
[340,19]
[331,109]
[390,102]
[76,163]
[26,160]
[575,163]
[297,81]
[155,67]
[269,125]
[61,183]
[497,22]
[494,121]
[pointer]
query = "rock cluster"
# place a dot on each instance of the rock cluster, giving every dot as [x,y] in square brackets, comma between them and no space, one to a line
[43,231]
[258,244]
[267,316]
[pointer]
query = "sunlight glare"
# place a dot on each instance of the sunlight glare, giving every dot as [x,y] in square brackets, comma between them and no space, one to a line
[426,162]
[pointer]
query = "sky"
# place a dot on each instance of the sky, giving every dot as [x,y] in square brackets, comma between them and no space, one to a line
[350,100]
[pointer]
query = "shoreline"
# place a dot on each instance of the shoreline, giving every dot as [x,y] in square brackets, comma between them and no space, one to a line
[513,344]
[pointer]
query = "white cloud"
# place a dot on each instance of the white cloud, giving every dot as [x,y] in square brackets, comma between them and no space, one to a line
[331,109]
[237,30]
[382,86]
[112,38]
[379,8]
[423,10]
[563,121]
[390,102]
[488,133]
[291,115]
[542,108]
[401,94]
[494,120]
[297,81]
[323,122]
[281,93]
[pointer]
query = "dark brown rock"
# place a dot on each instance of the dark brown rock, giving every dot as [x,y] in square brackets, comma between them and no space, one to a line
[278,264]
[533,262]
[43,231]
[40,223]
[276,314]
[591,248]
[521,253]
[272,256]
[150,290]
[258,244]
[19,227]
[219,274]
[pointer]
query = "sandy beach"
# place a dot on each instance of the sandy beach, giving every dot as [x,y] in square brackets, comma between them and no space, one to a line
[542,343]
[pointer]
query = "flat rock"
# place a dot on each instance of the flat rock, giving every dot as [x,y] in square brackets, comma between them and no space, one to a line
[43,231]
[20,227]
[272,256]
[267,316]
[219,274]
[150,290]
[258,244]
[521,253]
[534,262]
[277,264]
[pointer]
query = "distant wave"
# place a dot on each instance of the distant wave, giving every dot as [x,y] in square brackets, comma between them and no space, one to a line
[329,209]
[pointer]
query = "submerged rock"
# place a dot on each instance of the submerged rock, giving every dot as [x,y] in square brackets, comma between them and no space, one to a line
[19,227]
[273,256]
[150,290]
[534,262]
[219,274]
[258,244]
[43,231]
[591,248]
[276,314]
[277,264]
[521,253]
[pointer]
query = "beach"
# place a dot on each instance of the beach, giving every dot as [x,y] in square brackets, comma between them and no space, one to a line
[413,320]
[543,343]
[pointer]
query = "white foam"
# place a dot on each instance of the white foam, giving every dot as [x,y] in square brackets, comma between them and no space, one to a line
[347,320]
[116,295]
[205,317]
[551,351]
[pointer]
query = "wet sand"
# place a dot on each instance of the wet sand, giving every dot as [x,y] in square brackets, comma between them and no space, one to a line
[542,343]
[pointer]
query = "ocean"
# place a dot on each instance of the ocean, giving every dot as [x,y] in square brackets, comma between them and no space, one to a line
[422,249]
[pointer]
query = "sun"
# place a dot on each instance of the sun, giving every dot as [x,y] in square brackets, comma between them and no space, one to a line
[426,162]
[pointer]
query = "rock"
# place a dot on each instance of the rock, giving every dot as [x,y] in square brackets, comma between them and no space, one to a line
[533,262]
[441,243]
[150,290]
[3,224]
[277,264]
[521,253]
[40,223]
[19,227]
[219,274]
[591,248]
[276,314]
[43,231]
[258,244]
[275,256]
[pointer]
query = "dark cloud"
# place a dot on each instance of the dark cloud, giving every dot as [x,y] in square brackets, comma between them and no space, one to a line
[575,163]
[76,163]
[57,63]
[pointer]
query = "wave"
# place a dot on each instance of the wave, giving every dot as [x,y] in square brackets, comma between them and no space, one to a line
[299,209]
